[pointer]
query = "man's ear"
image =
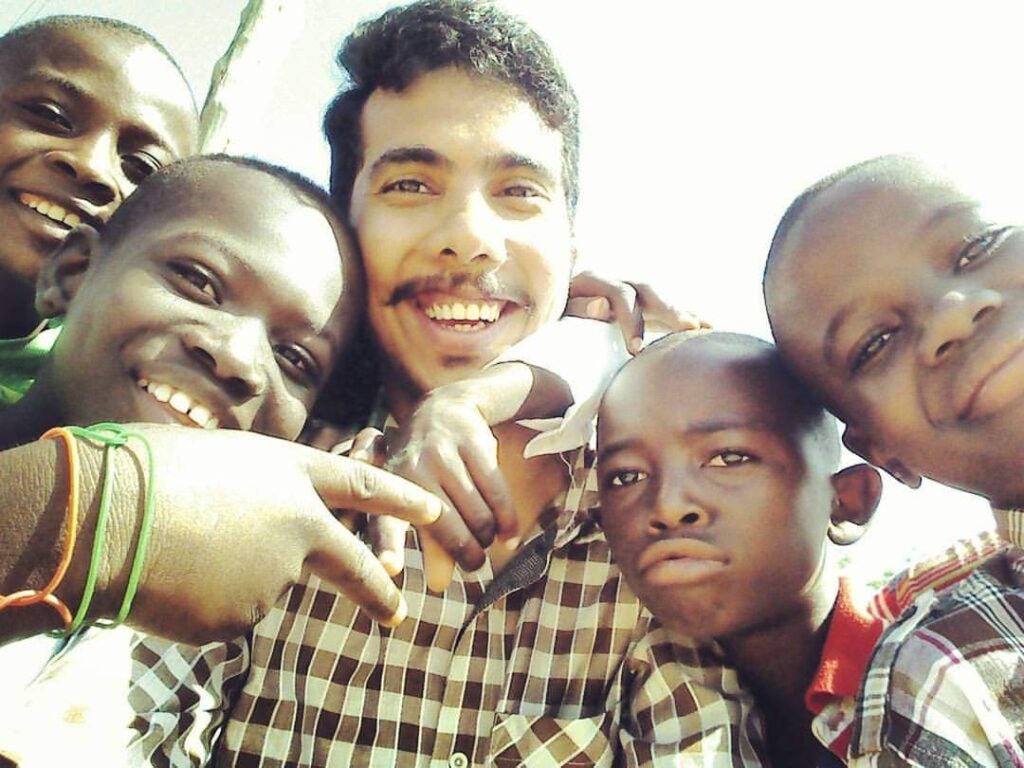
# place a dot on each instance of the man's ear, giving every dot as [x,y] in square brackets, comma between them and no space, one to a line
[859,443]
[62,273]
[857,491]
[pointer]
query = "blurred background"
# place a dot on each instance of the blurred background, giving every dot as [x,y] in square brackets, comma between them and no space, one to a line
[701,121]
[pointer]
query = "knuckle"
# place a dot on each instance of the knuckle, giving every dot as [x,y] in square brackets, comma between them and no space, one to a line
[363,484]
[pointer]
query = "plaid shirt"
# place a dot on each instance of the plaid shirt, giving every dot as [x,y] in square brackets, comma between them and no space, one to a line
[944,685]
[551,662]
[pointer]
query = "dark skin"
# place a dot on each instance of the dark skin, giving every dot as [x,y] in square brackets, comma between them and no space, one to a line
[717,511]
[900,301]
[230,298]
[79,131]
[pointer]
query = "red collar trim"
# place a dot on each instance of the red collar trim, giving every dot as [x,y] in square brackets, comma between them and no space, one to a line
[852,635]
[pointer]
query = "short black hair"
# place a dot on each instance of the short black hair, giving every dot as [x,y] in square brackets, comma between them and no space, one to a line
[101,24]
[392,51]
[151,195]
[891,166]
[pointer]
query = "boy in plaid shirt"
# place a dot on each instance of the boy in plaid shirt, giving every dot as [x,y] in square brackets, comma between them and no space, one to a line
[894,295]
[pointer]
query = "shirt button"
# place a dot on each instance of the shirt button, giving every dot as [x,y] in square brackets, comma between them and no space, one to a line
[458,760]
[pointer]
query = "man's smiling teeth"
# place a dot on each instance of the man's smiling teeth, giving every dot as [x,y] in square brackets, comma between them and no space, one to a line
[49,209]
[182,403]
[483,311]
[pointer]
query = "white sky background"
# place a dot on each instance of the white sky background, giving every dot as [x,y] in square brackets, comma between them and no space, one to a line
[701,121]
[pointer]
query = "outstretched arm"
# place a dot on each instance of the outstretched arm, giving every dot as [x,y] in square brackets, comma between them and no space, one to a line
[237,515]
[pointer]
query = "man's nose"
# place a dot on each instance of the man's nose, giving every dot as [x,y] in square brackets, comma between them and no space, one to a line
[676,507]
[235,351]
[952,319]
[472,232]
[92,160]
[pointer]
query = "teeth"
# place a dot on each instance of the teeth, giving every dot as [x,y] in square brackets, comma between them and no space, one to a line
[180,402]
[198,414]
[487,312]
[50,209]
[161,392]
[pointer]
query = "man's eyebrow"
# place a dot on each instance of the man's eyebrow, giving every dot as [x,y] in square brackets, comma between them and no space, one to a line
[514,161]
[57,81]
[719,424]
[75,91]
[705,427]
[947,212]
[828,345]
[245,267]
[604,452]
[419,155]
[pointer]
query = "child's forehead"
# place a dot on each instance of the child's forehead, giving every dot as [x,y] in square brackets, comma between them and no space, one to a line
[860,208]
[63,47]
[702,379]
[124,75]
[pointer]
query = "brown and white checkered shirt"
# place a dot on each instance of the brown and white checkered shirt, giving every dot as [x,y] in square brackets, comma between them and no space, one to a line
[551,662]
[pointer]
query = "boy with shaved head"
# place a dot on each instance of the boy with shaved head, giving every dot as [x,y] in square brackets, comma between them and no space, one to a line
[719,492]
[897,298]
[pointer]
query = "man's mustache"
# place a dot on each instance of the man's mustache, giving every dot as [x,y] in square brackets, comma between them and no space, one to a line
[488,285]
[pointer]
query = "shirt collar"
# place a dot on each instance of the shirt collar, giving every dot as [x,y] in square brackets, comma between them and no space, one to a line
[852,634]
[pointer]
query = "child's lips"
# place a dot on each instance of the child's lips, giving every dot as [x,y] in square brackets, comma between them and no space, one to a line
[682,553]
[993,381]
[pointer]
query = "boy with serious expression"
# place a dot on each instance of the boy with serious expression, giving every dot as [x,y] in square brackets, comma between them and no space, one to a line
[88,108]
[717,492]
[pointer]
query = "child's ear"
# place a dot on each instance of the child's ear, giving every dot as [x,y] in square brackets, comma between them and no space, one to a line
[859,443]
[857,491]
[62,273]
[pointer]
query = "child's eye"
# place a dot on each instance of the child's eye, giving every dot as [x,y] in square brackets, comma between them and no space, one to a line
[196,282]
[408,186]
[138,166]
[625,477]
[49,113]
[980,245]
[521,190]
[729,459]
[870,349]
[298,362]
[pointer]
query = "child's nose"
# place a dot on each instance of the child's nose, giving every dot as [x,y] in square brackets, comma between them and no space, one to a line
[677,508]
[953,319]
[235,353]
[91,163]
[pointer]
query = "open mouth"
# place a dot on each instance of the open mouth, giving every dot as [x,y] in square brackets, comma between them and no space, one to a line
[464,315]
[50,209]
[182,405]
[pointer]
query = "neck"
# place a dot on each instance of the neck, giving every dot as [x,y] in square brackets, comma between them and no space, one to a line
[30,417]
[779,661]
[17,311]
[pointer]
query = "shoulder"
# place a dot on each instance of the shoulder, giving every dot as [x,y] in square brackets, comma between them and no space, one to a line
[944,679]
